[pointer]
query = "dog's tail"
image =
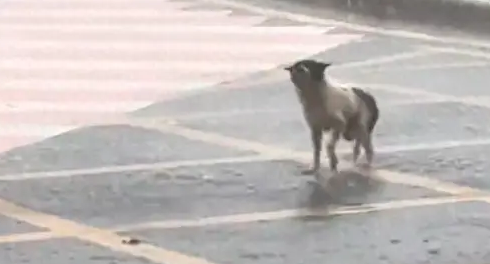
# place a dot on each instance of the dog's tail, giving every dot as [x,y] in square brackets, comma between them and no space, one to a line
[372,107]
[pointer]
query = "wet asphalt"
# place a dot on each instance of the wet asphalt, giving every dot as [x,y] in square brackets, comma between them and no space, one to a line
[434,123]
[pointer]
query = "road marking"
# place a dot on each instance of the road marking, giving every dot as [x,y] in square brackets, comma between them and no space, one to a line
[296,213]
[232,160]
[481,101]
[80,106]
[429,67]
[303,157]
[254,8]
[255,217]
[27,237]
[133,168]
[98,236]
[386,59]
[473,53]
[432,145]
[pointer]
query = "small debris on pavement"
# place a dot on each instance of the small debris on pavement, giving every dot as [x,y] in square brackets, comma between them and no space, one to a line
[131,241]
[434,248]
[395,241]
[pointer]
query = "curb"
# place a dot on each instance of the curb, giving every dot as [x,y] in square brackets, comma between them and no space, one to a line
[465,15]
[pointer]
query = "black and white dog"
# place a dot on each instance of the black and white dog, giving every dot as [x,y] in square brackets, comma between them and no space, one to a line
[347,111]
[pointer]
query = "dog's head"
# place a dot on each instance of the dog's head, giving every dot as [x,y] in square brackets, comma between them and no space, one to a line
[305,72]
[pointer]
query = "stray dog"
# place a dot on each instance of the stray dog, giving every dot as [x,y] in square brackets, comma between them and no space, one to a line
[347,111]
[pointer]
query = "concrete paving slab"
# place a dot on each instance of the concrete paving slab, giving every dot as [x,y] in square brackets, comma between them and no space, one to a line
[62,251]
[443,234]
[105,146]
[438,121]
[193,192]
[463,165]
[398,125]
[276,94]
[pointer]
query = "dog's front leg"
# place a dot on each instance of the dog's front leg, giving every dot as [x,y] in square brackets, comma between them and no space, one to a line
[356,150]
[316,139]
[332,144]
[367,144]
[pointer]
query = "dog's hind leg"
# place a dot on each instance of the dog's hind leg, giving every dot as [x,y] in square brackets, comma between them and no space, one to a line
[367,145]
[316,139]
[332,144]
[356,150]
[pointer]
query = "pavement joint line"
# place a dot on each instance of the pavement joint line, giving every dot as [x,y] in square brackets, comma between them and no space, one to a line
[134,168]
[303,157]
[232,160]
[297,213]
[27,237]
[429,67]
[268,11]
[386,59]
[102,237]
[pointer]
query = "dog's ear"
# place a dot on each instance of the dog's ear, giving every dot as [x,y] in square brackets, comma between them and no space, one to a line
[321,66]
[318,70]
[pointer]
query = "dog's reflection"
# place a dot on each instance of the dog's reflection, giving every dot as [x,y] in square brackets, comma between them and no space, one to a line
[347,187]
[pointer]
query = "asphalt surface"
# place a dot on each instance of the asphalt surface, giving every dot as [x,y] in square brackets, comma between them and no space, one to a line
[185,174]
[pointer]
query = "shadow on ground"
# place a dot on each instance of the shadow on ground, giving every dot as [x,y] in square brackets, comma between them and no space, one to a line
[348,187]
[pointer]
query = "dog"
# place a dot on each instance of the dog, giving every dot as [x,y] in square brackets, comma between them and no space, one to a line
[347,111]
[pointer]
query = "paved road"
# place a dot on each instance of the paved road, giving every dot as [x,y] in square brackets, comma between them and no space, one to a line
[213,176]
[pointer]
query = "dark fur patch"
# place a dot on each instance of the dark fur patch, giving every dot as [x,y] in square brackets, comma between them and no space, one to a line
[349,129]
[316,68]
[371,104]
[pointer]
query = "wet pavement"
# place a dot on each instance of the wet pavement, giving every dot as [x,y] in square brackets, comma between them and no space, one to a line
[215,174]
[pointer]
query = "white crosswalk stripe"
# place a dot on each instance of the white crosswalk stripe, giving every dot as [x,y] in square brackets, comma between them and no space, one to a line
[71,63]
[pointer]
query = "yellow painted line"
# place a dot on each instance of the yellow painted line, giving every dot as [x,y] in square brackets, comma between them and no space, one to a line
[132,168]
[27,237]
[223,220]
[101,237]
[303,157]
[296,213]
